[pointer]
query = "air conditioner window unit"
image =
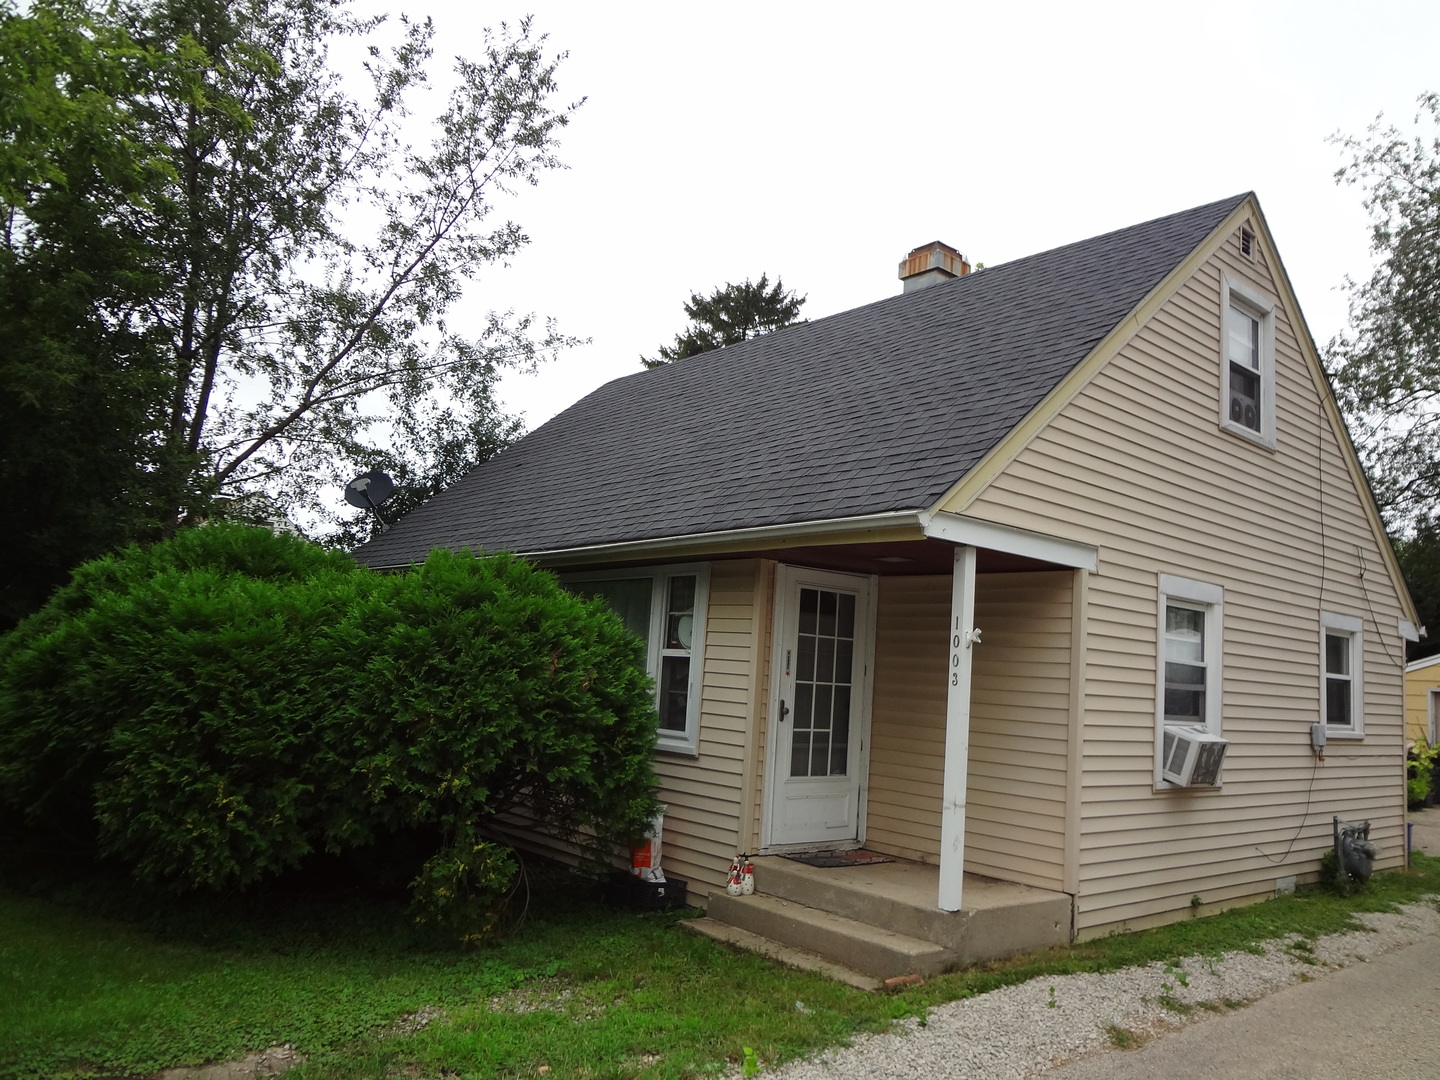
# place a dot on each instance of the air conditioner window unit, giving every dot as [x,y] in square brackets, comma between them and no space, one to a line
[1191,757]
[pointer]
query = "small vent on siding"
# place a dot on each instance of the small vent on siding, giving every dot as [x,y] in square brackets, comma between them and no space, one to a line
[1247,243]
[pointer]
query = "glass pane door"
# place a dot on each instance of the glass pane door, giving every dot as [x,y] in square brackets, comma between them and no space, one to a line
[824,668]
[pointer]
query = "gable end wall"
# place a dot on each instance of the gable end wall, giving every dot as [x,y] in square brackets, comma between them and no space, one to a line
[1137,465]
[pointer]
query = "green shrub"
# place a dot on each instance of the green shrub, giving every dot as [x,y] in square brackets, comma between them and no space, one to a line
[228,703]
[1420,773]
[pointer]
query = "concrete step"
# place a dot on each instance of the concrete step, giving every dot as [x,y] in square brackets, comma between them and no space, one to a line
[784,954]
[868,949]
[910,909]
[999,919]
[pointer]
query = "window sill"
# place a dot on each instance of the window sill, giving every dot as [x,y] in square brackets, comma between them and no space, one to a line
[1163,786]
[679,749]
[1259,438]
[1343,733]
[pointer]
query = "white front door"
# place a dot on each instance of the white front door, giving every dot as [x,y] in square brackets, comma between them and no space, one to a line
[819,707]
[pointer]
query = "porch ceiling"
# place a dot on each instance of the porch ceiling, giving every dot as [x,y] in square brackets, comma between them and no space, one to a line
[898,558]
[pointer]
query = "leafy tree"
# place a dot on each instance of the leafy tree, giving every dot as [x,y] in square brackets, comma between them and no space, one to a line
[293,255]
[1419,557]
[80,383]
[731,315]
[1387,367]
[225,705]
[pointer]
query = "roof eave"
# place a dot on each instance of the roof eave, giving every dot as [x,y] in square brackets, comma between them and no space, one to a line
[887,526]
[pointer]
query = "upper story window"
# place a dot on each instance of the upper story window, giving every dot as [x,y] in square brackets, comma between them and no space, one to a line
[1247,400]
[665,607]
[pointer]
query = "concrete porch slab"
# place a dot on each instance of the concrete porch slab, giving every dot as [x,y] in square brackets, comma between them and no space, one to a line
[883,919]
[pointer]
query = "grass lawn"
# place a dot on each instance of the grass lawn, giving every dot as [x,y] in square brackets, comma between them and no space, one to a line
[583,989]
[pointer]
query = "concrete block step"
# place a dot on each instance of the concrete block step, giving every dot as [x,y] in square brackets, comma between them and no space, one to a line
[1000,918]
[908,909]
[871,950]
[784,954]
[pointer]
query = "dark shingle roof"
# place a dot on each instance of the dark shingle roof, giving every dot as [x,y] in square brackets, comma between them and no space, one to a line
[881,408]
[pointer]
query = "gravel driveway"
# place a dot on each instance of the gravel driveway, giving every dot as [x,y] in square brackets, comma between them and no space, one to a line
[1024,1031]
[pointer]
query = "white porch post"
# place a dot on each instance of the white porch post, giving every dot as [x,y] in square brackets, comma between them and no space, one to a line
[957,729]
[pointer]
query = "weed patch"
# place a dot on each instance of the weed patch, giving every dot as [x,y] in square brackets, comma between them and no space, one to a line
[1123,1038]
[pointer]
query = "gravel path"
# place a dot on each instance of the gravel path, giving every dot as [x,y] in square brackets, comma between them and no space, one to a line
[1023,1031]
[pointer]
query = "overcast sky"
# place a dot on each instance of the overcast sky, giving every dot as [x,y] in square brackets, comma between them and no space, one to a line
[820,142]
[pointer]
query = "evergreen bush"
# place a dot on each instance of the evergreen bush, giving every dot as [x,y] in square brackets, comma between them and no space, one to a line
[225,704]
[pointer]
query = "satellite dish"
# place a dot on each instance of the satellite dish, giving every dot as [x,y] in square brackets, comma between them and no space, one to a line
[369,490]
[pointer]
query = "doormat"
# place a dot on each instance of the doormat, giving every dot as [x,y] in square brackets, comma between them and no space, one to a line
[859,857]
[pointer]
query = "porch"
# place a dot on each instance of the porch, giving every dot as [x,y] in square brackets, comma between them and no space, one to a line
[865,924]
[926,744]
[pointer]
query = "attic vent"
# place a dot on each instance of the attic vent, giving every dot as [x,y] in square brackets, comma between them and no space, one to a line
[1247,243]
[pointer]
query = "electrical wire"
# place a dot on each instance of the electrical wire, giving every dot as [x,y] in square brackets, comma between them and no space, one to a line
[1304,818]
[1360,557]
[1320,503]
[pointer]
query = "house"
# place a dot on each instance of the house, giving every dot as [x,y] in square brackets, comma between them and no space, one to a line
[980,575]
[1422,701]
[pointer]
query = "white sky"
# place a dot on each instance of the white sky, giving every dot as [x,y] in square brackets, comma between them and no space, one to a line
[821,142]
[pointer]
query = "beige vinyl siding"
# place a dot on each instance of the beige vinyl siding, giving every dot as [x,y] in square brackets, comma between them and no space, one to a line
[907,717]
[1418,686]
[1019,720]
[1137,465]
[706,793]
[1019,729]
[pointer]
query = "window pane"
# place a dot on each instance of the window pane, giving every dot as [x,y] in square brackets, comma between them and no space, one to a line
[1184,634]
[840,733]
[629,598]
[809,606]
[1244,339]
[674,692]
[1244,397]
[847,615]
[1184,620]
[800,752]
[805,658]
[1184,706]
[827,614]
[820,753]
[680,613]
[822,707]
[804,701]
[824,659]
[1337,702]
[1184,693]
[1337,654]
[844,660]
[1184,676]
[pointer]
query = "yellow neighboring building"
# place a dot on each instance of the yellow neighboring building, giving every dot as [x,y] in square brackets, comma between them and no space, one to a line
[1422,700]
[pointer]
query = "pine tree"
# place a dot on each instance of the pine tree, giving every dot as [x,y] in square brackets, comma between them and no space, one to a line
[731,315]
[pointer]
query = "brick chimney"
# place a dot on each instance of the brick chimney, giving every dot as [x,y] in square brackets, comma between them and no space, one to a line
[932,264]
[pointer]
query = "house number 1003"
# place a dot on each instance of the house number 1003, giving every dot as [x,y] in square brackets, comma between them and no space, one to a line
[958,641]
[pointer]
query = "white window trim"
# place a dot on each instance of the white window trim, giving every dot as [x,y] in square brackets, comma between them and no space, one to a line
[1355,627]
[687,741]
[1247,298]
[1212,598]
[1432,717]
